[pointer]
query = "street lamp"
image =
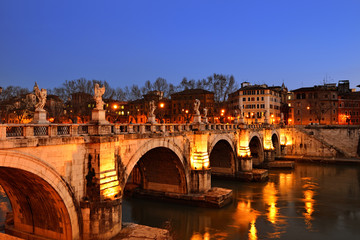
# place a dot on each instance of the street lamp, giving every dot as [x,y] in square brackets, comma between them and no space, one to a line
[161,112]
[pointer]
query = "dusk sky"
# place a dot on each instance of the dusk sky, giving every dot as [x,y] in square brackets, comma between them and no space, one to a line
[299,42]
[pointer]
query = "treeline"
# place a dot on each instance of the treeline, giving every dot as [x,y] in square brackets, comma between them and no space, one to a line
[220,84]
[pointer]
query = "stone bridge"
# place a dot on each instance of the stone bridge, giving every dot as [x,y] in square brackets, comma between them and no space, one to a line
[67,181]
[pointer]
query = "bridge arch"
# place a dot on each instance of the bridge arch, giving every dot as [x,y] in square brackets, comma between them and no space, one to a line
[275,139]
[256,148]
[169,160]
[42,203]
[222,155]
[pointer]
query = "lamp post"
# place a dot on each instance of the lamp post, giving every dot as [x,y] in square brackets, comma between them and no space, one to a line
[222,114]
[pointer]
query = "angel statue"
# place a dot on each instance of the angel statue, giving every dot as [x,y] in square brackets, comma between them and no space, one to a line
[98,92]
[205,112]
[236,113]
[41,96]
[196,106]
[152,108]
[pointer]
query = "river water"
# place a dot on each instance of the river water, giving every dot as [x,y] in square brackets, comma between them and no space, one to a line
[314,201]
[310,202]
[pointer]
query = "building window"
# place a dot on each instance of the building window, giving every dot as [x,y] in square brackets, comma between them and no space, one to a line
[244,99]
[262,98]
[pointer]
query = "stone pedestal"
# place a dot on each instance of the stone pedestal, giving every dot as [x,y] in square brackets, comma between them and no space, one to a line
[200,181]
[205,120]
[98,117]
[152,120]
[40,117]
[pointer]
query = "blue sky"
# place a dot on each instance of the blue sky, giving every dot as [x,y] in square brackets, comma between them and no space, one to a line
[299,42]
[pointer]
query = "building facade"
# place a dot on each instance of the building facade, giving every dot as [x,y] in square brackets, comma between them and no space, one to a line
[325,104]
[258,102]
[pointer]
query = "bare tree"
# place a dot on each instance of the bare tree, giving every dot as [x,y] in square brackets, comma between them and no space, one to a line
[120,94]
[135,92]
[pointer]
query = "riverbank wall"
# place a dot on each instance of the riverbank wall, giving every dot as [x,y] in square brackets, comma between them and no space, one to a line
[322,142]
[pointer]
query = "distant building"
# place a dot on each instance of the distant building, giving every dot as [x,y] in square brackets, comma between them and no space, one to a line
[78,108]
[55,109]
[258,100]
[182,105]
[116,111]
[139,109]
[325,104]
[349,104]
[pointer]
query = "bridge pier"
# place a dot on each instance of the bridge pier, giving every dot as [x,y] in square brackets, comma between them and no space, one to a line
[269,155]
[200,181]
[101,219]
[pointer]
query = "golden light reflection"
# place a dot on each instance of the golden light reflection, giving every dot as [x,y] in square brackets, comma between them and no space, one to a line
[270,199]
[285,182]
[198,236]
[309,207]
[245,216]
[252,231]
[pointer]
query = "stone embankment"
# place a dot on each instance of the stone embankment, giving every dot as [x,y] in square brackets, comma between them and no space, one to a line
[323,142]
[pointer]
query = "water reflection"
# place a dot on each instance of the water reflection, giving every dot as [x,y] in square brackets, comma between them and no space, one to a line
[309,187]
[252,231]
[270,198]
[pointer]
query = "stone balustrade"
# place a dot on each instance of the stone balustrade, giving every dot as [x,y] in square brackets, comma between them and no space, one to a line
[50,130]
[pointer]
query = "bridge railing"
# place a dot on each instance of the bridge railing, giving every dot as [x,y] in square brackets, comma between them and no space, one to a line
[43,130]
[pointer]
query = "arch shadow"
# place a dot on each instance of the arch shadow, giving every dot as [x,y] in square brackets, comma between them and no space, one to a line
[41,201]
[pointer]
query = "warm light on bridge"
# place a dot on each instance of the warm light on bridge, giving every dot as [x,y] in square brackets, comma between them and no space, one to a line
[200,161]
[268,145]
[244,151]
[109,185]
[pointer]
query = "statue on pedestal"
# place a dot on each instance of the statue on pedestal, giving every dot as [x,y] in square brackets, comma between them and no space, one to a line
[152,108]
[40,113]
[41,96]
[98,92]
[196,107]
[151,115]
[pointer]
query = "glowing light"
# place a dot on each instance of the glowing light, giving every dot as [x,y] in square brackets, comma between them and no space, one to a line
[115,106]
[282,139]
[222,110]
[307,107]
[200,161]
[244,151]
[51,119]
[268,144]
[162,105]
[109,184]
[186,111]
